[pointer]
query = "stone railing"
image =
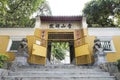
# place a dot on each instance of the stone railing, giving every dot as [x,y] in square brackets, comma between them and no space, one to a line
[3,72]
[111,68]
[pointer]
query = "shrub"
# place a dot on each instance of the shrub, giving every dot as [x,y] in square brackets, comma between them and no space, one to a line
[3,58]
[118,64]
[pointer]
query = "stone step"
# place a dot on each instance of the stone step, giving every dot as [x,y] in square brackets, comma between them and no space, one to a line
[57,66]
[56,78]
[54,74]
[62,72]
[58,72]
[57,69]
[60,75]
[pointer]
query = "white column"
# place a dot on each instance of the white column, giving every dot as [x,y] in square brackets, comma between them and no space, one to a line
[84,24]
[38,22]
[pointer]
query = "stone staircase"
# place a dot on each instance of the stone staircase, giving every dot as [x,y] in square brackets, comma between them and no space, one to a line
[58,72]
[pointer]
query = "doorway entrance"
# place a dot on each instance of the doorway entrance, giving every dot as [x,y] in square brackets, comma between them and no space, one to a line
[60,53]
[60,49]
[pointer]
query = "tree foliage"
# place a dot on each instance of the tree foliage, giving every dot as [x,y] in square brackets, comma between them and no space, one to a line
[3,58]
[117,15]
[58,50]
[16,13]
[44,9]
[98,13]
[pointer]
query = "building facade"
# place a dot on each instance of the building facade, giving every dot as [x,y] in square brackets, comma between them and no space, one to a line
[71,29]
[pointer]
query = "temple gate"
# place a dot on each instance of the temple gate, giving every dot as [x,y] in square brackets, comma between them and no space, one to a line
[59,29]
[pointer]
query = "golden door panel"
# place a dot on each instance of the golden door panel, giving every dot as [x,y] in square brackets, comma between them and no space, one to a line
[39,50]
[37,59]
[82,54]
[86,59]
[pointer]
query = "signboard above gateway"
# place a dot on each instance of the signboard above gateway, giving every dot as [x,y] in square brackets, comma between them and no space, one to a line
[60,25]
[59,22]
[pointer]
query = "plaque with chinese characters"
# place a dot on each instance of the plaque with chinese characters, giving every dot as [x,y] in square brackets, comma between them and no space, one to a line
[61,26]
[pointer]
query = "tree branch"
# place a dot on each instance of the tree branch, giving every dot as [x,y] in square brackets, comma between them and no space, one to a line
[16,7]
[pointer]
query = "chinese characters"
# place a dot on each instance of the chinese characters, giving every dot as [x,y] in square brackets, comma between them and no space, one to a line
[60,25]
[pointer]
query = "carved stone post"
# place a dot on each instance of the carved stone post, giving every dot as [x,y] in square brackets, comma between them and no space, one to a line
[21,55]
[99,54]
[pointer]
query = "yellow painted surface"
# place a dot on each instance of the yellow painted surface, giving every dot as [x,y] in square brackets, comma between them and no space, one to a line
[4,40]
[38,33]
[82,50]
[114,56]
[111,56]
[83,59]
[85,32]
[35,59]
[82,54]
[31,41]
[90,41]
[39,50]
[79,42]
[11,55]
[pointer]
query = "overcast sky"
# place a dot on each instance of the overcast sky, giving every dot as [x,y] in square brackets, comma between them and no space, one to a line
[67,7]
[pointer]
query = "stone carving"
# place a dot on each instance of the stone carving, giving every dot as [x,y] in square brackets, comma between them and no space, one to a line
[21,55]
[99,54]
[23,48]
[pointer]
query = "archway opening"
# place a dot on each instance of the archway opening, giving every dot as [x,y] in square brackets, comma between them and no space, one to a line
[60,49]
[60,53]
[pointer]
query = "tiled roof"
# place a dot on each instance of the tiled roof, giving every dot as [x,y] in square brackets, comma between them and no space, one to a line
[61,18]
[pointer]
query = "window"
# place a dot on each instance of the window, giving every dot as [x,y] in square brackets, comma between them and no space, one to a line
[13,45]
[107,44]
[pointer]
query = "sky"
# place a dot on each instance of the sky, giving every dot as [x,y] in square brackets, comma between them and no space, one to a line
[67,7]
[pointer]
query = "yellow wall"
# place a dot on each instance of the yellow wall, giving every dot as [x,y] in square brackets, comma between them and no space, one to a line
[111,56]
[38,33]
[4,40]
[82,54]
[35,59]
[114,56]
[82,50]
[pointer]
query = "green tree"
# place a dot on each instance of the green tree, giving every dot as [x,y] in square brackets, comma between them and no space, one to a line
[98,13]
[58,50]
[44,9]
[3,58]
[117,15]
[16,13]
